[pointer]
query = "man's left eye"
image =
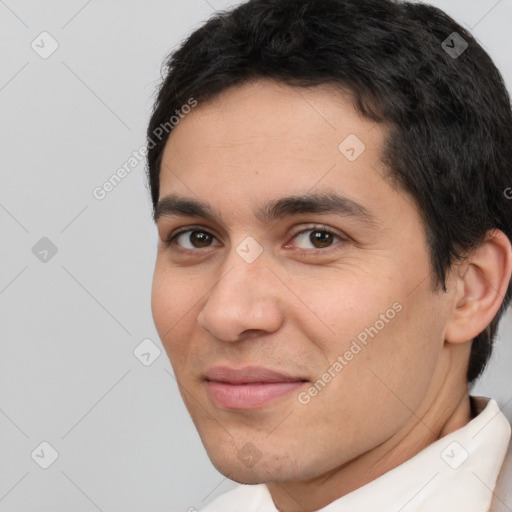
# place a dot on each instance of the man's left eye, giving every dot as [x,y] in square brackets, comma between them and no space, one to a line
[319,238]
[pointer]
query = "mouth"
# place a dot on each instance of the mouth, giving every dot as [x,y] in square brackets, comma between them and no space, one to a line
[249,387]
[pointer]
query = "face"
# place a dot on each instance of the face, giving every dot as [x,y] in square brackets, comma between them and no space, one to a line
[297,329]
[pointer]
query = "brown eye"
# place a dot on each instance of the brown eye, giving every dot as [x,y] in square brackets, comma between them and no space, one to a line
[318,238]
[200,238]
[321,238]
[192,239]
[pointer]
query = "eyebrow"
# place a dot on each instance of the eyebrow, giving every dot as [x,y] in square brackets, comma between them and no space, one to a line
[275,209]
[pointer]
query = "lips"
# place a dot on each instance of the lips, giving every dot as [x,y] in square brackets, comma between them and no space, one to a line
[248,387]
[248,375]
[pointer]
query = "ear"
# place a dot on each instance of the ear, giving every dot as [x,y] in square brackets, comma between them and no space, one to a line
[480,283]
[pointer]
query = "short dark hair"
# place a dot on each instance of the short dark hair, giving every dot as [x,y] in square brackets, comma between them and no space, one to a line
[450,138]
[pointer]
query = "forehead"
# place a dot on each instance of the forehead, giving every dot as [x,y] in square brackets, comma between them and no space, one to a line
[264,140]
[270,115]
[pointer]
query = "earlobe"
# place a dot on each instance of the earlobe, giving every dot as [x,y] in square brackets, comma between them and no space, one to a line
[480,288]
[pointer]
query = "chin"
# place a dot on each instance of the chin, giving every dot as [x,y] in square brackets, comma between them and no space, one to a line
[247,479]
[236,471]
[266,469]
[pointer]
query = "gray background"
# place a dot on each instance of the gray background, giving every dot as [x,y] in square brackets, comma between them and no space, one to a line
[68,374]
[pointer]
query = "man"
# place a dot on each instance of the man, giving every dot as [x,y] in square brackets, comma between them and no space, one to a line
[329,185]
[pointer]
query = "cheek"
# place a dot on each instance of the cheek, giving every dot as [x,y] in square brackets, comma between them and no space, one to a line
[161,302]
[171,304]
[344,305]
[401,360]
[379,324]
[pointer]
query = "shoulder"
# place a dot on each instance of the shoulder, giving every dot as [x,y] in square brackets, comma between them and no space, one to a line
[250,498]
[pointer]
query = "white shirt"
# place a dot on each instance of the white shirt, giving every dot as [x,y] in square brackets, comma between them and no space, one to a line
[456,473]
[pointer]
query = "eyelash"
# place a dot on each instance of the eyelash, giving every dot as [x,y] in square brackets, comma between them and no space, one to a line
[306,252]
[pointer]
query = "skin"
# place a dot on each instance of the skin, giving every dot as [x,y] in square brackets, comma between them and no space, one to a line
[296,312]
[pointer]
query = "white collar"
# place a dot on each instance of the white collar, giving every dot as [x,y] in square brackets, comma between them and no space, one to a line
[456,473]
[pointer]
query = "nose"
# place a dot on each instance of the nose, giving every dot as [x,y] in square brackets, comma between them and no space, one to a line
[244,298]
